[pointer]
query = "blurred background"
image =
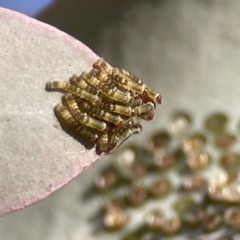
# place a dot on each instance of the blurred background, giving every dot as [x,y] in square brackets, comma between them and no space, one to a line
[187,50]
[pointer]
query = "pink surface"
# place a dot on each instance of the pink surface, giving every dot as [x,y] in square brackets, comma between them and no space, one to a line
[37,157]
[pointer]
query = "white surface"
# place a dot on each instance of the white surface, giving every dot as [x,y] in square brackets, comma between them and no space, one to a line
[36,156]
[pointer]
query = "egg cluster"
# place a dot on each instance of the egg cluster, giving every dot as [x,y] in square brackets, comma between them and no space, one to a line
[105,105]
[183,181]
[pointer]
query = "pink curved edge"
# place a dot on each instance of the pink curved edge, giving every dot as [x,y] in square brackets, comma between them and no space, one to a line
[47,193]
[90,58]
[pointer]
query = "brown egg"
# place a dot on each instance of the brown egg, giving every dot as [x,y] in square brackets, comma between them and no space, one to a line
[230,160]
[198,161]
[137,195]
[194,143]
[195,217]
[163,160]
[105,181]
[115,219]
[154,219]
[159,140]
[216,122]
[136,171]
[193,182]
[179,123]
[159,188]
[171,226]
[225,140]
[232,217]
[212,222]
